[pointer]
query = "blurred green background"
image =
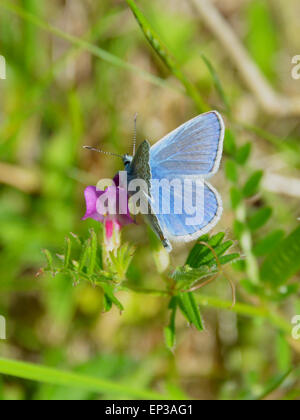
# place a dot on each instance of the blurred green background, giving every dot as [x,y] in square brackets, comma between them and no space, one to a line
[58,97]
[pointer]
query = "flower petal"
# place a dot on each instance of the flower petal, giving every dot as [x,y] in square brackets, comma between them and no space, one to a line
[91,196]
[109,228]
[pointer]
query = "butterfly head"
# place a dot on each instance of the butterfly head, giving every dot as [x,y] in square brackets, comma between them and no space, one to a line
[127,159]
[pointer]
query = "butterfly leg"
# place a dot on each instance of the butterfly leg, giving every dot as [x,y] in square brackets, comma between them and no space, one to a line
[153,221]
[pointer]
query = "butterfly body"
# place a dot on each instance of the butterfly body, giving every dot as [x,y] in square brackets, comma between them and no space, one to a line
[189,155]
[138,166]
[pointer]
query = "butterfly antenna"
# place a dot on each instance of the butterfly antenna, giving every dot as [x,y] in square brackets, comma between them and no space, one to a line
[102,151]
[134,134]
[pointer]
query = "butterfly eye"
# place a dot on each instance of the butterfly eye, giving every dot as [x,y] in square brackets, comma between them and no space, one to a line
[127,160]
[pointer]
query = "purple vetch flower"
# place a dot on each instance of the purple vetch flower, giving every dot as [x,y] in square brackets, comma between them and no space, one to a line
[109,207]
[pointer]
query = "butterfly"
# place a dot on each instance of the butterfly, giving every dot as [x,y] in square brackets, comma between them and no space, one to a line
[191,152]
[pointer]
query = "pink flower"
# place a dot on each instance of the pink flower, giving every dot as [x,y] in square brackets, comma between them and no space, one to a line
[109,207]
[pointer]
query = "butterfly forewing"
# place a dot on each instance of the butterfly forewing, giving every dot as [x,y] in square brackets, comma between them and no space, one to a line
[193,149]
[140,166]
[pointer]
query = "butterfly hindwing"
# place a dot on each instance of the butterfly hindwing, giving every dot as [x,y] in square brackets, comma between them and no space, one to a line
[175,226]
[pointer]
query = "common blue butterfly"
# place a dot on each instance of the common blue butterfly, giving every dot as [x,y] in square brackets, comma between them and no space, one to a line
[192,151]
[189,155]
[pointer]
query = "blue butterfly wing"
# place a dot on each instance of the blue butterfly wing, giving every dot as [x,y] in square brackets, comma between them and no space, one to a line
[193,149]
[175,226]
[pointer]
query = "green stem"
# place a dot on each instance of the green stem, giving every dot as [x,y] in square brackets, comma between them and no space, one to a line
[246,310]
[166,57]
[246,242]
[239,308]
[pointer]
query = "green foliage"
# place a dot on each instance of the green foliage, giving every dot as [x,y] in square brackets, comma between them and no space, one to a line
[217,83]
[121,259]
[82,261]
[58,377]
[262,37]
[201,255]
[243,154]
[268,243]
[280,262]
[185,277]
[166,57]
[231,171]
[252,185]
[170,330]
[201,264]
[283,262]
[189,307]
[64,90]
[259,218]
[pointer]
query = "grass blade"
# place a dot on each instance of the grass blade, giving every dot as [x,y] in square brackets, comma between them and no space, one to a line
[217,83]
[57,377]
[166,57]
[85,45]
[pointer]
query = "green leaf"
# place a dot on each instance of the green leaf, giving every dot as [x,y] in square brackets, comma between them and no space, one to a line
[109,292]
[170,330]
[50,266]
[57,377]
[67,256]
[260,218]
[230,146]
[107,303]
[84,257]
[189,307]
[243,154]
[236,197]
[239,228]
[199,251]
[267,244]
[202,256]
[231,171]
[219,250]
[252,185]
[121,259]
[283,262]
[230,258]
[185,277]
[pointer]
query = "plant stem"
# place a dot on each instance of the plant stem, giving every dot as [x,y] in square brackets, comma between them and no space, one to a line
[252,268]
[166,57]
[239,308]
[246,310]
